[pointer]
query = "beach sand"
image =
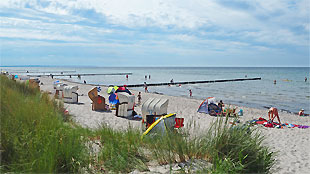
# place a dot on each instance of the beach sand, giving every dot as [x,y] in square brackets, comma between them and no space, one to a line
[292,144]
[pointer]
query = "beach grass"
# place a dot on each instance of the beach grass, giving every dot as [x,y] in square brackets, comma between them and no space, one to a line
[121,151]
[237,148]
[36,139]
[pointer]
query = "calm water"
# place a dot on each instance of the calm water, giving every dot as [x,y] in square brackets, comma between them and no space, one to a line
[291,95]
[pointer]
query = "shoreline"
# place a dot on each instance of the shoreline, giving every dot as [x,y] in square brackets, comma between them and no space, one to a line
[291,143]
[184,96]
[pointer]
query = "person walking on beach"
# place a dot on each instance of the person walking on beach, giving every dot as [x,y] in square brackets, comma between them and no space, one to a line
[145,77]
[190,93]
[139,98]
[306,79]
[126,76]
[84,81]
[145,87]
[149,76]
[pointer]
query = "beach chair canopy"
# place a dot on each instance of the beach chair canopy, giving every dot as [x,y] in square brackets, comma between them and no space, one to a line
[68,90]
[126,104]
[208,105]
[154,106]
[92,94]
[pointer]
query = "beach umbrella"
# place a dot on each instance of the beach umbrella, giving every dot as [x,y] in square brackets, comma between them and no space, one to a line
[112,89]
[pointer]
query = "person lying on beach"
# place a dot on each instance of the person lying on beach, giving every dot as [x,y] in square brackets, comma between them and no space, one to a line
[273,113]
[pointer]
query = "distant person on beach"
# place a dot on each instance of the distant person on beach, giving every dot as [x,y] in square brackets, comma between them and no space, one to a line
[301,112]
[70,76]
[127,76]
[139,98]
[246,76]
[221,104]
[149,76]
[190,93]
[145,77]
[306,79]
[274,82]
[273,113]
[84,81]
[145,87]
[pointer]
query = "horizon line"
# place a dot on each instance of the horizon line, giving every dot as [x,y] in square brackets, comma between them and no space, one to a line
[89,66]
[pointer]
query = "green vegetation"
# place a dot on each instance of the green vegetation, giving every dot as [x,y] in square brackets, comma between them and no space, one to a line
[36,139]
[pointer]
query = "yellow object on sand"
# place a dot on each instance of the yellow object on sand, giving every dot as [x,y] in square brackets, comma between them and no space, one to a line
[163,127]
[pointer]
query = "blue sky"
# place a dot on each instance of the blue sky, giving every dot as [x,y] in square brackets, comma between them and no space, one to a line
[155,32]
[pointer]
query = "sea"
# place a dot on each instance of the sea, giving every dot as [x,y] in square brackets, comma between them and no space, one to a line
[290,93]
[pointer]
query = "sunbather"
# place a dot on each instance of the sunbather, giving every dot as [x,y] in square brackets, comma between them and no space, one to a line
[273,113]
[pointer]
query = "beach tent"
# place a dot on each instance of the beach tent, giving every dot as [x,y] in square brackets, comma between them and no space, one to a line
[209,105]
[162,125]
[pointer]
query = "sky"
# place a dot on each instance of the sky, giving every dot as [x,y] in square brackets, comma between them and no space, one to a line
[155,32]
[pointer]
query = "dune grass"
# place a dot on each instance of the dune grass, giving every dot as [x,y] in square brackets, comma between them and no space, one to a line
[230,149]
[35,139]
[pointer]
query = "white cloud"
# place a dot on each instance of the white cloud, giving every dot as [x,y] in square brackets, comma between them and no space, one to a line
[186,27]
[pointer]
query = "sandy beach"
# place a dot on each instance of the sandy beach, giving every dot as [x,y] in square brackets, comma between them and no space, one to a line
[291,144]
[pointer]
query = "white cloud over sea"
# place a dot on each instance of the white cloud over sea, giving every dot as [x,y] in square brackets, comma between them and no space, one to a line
[155,32]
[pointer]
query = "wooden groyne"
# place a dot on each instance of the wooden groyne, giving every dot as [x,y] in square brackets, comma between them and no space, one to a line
[192,82]
[79,75]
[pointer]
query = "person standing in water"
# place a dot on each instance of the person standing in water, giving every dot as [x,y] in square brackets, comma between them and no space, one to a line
[145,87]
[190,93]
[126,76]
[306,79]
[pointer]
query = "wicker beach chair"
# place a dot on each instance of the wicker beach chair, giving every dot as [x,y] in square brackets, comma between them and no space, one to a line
[98,101]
